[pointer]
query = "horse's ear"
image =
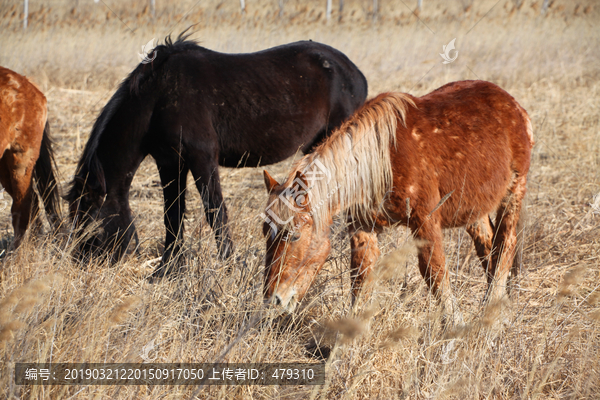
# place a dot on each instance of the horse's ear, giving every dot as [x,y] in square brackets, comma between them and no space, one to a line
[270,182]
[301,177]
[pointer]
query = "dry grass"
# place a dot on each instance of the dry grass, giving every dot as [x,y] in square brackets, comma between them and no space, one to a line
[548,342]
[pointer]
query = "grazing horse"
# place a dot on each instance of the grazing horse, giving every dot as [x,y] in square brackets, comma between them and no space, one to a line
[26,151]
[444,160]
[193,109]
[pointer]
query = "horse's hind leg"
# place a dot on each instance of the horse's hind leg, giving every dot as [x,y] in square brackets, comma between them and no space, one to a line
[517,264]
[482,233]
[505,239]
[21,191]
[206,173]
[173,176]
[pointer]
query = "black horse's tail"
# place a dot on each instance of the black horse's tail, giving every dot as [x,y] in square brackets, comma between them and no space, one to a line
[45,178]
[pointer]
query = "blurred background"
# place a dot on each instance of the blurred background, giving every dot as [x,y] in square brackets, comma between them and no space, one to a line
[86,44]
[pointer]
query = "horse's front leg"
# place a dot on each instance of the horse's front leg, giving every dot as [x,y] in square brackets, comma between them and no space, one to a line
[205,169]
[364,255]
[432,264]
[173,179]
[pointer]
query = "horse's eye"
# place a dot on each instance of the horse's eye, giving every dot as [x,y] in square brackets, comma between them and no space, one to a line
[295,237]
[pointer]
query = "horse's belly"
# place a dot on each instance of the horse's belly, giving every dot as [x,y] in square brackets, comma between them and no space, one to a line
[268,142]
[477,189]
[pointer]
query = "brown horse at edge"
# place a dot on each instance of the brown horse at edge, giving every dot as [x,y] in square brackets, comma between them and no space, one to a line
[26,151]
[447,159]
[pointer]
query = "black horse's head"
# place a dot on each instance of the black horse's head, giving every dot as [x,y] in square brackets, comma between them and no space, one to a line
[102,219]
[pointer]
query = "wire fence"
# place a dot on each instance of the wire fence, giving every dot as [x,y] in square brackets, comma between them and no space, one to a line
[151,4]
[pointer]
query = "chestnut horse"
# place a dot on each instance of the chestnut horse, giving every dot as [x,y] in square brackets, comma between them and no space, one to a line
[26,151]
[454,156]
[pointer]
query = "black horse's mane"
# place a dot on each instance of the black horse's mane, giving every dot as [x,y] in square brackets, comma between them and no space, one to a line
[89,167]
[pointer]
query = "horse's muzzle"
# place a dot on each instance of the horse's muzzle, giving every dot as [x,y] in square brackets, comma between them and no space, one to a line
[286,304]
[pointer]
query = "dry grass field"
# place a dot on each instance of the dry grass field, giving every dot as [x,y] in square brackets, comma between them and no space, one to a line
[546,341]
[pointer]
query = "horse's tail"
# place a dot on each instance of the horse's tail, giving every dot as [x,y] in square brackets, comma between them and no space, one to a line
[45,178]
[517,266]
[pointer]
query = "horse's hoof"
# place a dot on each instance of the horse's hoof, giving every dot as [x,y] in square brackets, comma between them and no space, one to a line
[152,280]
[165,271]
[317,350]
[156,276]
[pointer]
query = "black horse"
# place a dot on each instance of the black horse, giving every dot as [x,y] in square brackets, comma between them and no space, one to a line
[193,109]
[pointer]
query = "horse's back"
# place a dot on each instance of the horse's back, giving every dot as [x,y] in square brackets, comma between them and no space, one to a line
[470,138]
[481,105]
[264,106]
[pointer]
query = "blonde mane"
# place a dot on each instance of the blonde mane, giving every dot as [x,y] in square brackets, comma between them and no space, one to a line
[353,165]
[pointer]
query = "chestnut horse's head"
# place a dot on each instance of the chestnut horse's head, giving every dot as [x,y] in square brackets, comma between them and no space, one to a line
[89,202]
[296,247]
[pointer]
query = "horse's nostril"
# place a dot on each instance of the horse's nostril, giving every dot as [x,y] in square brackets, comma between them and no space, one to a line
[278,301]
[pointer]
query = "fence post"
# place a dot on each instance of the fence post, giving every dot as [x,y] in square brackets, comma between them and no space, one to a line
[243,6]
[328,12]
[375,7]
[25,13]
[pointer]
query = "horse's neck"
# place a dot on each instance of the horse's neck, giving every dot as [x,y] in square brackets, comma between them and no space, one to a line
[357,183]
[119,164]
